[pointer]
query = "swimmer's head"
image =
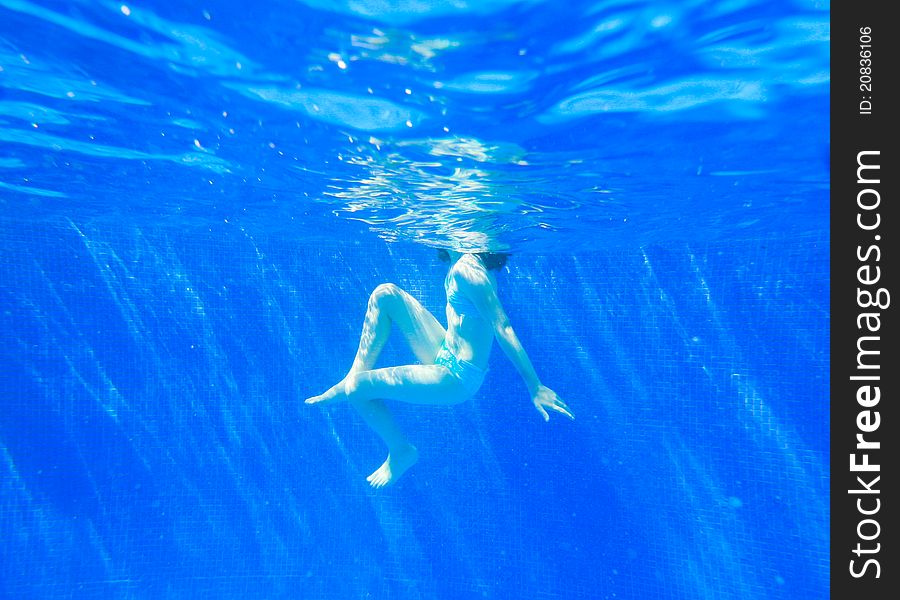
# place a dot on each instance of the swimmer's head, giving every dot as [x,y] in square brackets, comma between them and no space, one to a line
[492,261]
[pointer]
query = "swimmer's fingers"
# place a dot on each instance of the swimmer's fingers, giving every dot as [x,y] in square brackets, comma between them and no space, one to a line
[545,398]
[557,406]
[560,407]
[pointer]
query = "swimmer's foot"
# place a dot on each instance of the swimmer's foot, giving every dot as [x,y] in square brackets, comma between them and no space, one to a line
[334,393]
[397,463]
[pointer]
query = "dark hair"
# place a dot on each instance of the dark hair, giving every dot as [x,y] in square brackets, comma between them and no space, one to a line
[492,261]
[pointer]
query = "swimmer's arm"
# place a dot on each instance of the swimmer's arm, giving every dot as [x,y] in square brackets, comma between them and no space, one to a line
[488,304]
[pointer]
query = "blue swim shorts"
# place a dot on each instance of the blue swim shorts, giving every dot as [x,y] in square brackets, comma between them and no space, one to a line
[470,376]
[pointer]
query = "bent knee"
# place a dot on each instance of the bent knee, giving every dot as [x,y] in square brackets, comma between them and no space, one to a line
[351,386]
[355,388]
[384,292]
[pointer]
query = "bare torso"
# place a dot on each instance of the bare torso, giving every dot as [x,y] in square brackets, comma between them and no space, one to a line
[469,336]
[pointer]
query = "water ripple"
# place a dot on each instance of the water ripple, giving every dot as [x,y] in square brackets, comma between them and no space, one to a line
[63,144]
[676,96]
[522,125]
[357,112]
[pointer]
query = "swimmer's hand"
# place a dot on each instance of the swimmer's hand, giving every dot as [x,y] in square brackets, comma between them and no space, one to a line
[544,398]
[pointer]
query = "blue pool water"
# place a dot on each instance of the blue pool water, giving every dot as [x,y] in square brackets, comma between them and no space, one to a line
[197,198]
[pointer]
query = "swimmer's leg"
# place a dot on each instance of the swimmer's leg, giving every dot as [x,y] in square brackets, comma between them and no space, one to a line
[389,305]
[401,454]
[420,384]
[416,384]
